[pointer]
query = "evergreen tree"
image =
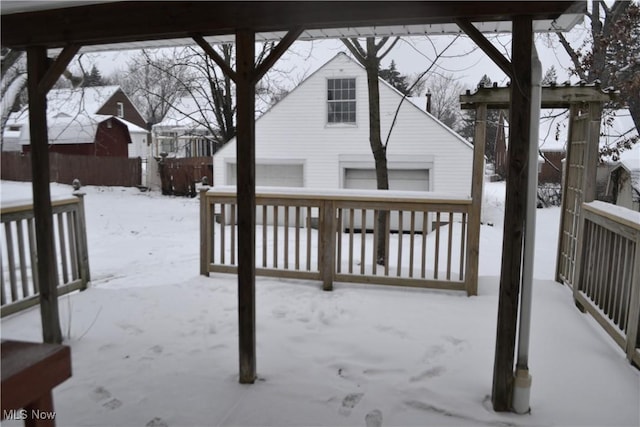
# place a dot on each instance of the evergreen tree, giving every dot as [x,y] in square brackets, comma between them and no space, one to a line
[394,78]
[93,78]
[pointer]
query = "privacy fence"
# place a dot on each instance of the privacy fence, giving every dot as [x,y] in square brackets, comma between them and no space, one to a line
[64,168]
[426,241]
[179,176]
[19,287]
[607,272]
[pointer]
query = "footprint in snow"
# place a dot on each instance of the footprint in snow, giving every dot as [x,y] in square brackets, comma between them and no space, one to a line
[349,402]
[373,418]
[157,422]
[101,394]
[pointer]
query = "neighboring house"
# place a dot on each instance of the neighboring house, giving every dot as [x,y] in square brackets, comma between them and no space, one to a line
[553,152]
[624,180]
[182,132]
[98,121]
[318,137]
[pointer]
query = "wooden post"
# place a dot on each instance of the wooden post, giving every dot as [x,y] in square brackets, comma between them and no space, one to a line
[593,152]
[246,196]
[37,64]
[473,242]
[205,232]
[515,211]
[327,244]
[85,272]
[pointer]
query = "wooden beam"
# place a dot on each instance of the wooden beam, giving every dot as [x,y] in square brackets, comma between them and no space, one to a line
[57,67]
[484,44]
[37,64]
[246,194]
[515,213]
[132,21]
[276,53]
[211,53]
[499,98]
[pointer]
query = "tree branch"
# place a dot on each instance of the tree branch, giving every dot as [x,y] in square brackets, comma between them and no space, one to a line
[390,47]
[354,47]
[573,55]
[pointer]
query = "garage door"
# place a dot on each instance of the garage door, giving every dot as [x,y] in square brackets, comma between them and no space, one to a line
[399,179]
[272,175]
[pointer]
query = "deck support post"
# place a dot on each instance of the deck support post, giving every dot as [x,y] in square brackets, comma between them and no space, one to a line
[515,213]
[37,65]
[246,196]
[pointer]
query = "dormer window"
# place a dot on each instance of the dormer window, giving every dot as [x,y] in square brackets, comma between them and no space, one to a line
[120,109]
[341,99]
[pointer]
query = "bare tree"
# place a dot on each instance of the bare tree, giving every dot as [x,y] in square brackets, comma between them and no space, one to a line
[611,55]
[370,56]
[445,90]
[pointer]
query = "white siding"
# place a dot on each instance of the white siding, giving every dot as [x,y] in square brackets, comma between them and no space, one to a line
[296,128]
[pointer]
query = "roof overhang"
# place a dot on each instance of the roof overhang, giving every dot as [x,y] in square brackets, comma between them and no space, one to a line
[144,24]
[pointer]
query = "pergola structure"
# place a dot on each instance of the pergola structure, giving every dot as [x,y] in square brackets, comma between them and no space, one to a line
[66,27]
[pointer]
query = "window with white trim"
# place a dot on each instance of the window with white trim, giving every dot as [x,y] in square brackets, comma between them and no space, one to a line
[120,109]
[341,100]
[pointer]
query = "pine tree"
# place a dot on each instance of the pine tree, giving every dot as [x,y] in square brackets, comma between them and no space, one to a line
[550,77]
[93,78]
[394,78]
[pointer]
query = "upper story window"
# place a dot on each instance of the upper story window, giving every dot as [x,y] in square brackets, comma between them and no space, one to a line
[120,109]
[341,99]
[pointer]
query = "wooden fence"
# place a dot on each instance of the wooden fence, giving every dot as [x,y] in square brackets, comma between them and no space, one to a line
[19,286]
[64,168]
[320,237]
[608,272]
[179,176]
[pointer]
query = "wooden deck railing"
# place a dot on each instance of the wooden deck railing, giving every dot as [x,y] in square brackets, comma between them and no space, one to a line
[608,272]
[19,279]
[318,236]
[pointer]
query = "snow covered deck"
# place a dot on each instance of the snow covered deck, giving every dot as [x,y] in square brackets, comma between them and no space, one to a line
[153,343]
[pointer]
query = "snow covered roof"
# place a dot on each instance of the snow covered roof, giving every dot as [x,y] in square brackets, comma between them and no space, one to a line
[187,113]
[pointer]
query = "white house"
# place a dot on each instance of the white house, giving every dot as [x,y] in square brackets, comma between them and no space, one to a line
[624,180]
[318,137]
[182,131]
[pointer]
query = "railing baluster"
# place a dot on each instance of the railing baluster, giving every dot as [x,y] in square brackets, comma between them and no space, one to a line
[33,254]
[340,227]
[363,239]
[423,261]
[351,227]
[63,248]
[463,239]
[400,234]
[223,226]
[411,241]
[232,229]
[23,261]
[3,297]
[275,236]
[449,246]
[374,252]
[11,261]
[437,253]
[72,221]
[286,237]
[309,238]
[264,236]
[297,260]
[387,241]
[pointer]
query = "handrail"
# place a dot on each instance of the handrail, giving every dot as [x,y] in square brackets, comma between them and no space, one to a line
[608,272]
[19,287]
[330,235]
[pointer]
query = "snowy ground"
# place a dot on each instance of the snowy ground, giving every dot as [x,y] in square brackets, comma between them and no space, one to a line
[155,344]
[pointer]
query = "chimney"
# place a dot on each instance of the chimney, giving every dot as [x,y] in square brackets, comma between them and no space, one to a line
[428,95]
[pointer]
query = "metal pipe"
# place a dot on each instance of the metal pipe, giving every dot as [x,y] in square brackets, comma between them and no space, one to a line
[522,381]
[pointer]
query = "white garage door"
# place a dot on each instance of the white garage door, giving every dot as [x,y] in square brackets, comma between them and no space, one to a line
[399,179]
[272,175]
